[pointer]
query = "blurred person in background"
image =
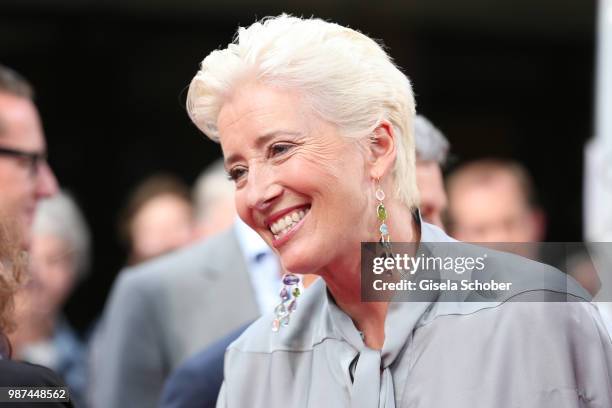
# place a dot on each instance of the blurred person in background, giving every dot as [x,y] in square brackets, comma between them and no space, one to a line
[213,199]
[157,218]
[25,175]
[165,310]
[25,178]
[431,154]
[493,200]
[59,260]
[13,268]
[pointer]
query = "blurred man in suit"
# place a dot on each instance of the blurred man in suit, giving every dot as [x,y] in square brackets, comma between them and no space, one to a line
[25,175]
[493,200]
[163,311]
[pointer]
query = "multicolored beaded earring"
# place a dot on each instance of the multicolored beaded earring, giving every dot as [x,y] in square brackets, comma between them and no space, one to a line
[381,212]
[288,295]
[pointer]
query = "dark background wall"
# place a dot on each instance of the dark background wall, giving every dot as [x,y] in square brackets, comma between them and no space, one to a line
[499,77]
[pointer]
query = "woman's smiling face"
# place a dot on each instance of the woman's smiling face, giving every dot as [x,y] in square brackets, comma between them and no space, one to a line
[300,184]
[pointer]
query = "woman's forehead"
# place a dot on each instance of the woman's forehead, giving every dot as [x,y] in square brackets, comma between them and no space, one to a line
[256,105]
[256,113]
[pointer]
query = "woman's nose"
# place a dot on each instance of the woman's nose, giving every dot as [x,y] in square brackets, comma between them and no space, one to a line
[262,191]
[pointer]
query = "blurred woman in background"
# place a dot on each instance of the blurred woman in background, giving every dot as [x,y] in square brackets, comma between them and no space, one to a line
[157,218]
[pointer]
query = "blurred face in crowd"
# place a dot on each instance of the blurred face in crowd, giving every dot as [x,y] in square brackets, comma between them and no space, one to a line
[162,224]
[299,183]
[22,182]
[53,275]
[219,216]
[431,189]
[493,211]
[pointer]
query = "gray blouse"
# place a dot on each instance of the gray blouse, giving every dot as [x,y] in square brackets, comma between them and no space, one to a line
[436,354]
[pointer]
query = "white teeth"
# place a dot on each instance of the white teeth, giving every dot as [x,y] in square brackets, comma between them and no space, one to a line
[285,224]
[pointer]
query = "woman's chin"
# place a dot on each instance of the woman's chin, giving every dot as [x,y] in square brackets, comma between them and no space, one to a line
[298,264]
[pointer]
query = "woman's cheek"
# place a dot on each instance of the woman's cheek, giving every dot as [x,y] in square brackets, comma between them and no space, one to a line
[241,207]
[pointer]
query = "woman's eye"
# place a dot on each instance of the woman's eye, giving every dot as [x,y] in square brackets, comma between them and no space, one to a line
[236,173]
[279,148]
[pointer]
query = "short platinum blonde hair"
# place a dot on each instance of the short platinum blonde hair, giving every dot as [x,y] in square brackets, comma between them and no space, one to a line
[60,217]
[346,78]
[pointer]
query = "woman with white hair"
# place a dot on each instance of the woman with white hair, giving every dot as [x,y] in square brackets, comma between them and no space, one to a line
[316,127]
[59,259]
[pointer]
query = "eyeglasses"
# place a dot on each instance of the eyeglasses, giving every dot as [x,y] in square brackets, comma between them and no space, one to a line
[33,159]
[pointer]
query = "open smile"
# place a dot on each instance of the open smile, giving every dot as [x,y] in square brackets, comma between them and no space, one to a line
[284,223]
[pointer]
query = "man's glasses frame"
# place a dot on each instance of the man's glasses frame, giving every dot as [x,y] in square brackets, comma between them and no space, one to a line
[34,159]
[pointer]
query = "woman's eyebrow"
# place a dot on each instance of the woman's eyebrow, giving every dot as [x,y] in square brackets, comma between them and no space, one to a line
[265,138]
[260,142]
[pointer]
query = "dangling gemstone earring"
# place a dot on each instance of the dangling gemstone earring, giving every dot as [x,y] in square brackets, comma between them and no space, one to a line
[381,212]
[288,295]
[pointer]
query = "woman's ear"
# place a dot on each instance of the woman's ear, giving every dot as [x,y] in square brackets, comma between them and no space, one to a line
[382,150]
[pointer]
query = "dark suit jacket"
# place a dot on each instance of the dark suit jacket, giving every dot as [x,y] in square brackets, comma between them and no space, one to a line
[18,374]
[196,383]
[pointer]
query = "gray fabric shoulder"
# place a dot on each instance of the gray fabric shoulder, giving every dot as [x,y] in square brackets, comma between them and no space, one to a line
[308,326]
[531,282]
[526,275]
[553,320]
[547,353]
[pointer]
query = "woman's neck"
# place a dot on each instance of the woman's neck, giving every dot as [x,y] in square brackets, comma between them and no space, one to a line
[343,280]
